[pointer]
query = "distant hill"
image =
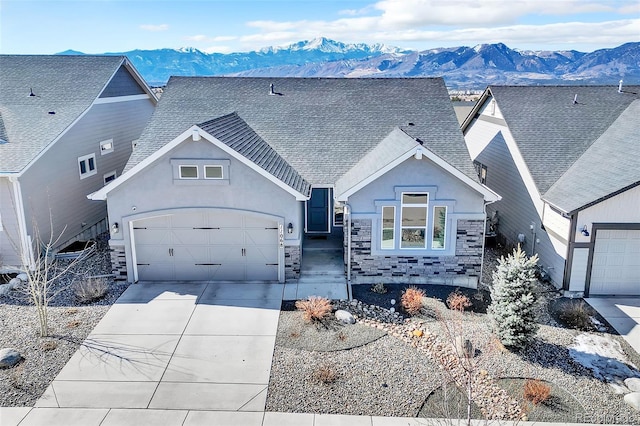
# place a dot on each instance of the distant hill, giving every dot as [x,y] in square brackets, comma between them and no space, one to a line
[462,67]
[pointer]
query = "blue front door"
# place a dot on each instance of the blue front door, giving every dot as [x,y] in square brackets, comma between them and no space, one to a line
[318,210]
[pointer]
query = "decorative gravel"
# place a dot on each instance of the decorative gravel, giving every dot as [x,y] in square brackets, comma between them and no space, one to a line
[412,368]
[69,324]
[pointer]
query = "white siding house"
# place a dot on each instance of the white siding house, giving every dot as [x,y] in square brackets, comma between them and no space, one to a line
[67,124]
[562,158]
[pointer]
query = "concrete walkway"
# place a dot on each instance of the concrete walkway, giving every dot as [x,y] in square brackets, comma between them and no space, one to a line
[189,346]
[623,313]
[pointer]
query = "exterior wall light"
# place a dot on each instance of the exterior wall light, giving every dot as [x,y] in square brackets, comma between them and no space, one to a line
[290,228]
[115,228]
[584,231]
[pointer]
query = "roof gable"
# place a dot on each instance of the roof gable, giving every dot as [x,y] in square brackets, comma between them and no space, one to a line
[607,166]
[321,127]
[238,140]
[390,153]
[550,129]
[42,96]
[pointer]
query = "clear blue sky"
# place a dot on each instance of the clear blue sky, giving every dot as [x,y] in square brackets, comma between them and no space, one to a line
[98,26]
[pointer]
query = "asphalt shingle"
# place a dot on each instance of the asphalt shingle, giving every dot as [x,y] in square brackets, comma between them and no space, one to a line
[63,87]
[552,132]
[234,132]
[607,166]
[320,126]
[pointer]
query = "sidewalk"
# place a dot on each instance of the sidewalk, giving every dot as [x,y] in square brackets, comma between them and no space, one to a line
[135,417]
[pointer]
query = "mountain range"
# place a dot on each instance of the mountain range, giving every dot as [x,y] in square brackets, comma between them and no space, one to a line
[461,67]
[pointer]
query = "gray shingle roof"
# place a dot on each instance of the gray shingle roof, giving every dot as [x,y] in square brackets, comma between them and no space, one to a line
[320,126]
[234,132]
[551,131]
[66,85]
[387,151]
[608,165]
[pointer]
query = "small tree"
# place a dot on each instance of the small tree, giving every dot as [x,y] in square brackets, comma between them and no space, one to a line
[512,308]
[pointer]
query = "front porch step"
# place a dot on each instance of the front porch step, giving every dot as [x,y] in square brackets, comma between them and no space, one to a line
[323,279]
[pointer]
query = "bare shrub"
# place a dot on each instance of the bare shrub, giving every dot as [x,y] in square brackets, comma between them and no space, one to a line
[314,309]
[74,324]
[325,373]
[575,315]
[341,336]
[536,391]
[49,345]
[411,300]
[458,301]
[90,289]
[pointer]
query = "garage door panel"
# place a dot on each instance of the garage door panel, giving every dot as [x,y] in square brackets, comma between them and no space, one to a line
[152,236]
[616,263]
[212,245]
[261,236]
[156,272]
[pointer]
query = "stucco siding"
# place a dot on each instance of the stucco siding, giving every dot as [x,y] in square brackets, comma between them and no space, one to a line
[155,189]
[53,183]
[518,211]
[9,229]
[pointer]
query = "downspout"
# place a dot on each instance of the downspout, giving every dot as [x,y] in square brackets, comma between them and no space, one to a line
[347,210]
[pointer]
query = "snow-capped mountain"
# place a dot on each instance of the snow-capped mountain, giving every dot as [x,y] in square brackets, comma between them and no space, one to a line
[462,67]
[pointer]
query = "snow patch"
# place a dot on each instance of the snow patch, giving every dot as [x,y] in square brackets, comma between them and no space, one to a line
[603,356]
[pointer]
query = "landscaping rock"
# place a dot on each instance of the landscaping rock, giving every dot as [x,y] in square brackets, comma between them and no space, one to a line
[619,389]
[15,282]
[4,289]
[633,383]
[9,357]
[23,277]
[633,400]
[345,317]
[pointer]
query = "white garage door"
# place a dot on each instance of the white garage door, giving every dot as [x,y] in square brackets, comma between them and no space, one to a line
[215,245]
[616,263]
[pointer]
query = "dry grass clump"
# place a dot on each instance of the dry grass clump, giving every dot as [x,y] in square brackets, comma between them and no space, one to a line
[90,289]
[536,391]
[576,315]
[458,301]
[379,288]
[315,308]
[411,300]
[325,373]
[49,345]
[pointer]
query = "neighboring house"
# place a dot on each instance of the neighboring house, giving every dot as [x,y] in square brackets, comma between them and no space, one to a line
[564,159]
[66,129]
[232,174]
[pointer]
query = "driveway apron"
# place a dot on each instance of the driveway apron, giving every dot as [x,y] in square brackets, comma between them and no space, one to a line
[179,346]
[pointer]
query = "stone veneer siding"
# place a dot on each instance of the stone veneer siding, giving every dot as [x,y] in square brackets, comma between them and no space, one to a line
[118,263]
[291,262]
[462,269]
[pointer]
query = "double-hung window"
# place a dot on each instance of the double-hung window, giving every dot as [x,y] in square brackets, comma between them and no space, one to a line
[87,165]
[413,220]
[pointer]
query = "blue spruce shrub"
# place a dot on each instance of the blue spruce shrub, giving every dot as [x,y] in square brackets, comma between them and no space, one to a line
[513,299]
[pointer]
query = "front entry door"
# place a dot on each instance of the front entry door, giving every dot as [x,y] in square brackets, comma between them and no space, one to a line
[318,210]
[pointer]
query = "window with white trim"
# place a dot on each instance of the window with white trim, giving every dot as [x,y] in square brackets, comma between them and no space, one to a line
[413,220]
[106,146]
[438,236]
[388,228]
[481,170]
[108,177]
[213,172]
[87,165]
[188,172]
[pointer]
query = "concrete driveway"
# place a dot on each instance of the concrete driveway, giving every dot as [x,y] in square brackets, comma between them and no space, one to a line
[623,313]
[178,346]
